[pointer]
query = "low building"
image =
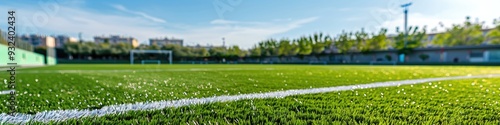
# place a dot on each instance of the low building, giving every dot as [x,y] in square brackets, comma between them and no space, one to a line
[459,54]
[114,39]
[165,41]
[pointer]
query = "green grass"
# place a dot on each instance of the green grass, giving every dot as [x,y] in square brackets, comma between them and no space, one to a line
[449,102]
[95,86]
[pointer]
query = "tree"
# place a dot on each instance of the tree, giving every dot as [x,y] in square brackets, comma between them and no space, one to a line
[345,44]
[494,35]
[413,40]
[319,43]
[377,41]
[263,52]
[121,49]
[294,48]
[176,50]
[305,47]
[271,46]
[72,48]
[442,39]
[255,51]
[234,52]
[361,41]
[202,52]
[188,53]
[154,47]
[466,34]
[87,48]
[217,52]
[103,49]
[284,48]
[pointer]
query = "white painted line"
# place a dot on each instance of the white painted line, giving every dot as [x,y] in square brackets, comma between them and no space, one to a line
[6,92]
[61,115]
[7,67]
[143,70]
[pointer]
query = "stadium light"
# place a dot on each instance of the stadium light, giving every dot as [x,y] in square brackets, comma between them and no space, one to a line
[405,6]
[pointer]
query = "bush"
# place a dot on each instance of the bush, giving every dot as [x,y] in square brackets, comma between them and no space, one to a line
[424,57]
[388,57]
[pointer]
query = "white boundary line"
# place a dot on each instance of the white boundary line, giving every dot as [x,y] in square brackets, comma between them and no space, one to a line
[6,92]
[61,115]
[143,70]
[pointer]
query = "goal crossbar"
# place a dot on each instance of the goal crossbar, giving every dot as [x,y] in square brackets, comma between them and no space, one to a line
[169,52]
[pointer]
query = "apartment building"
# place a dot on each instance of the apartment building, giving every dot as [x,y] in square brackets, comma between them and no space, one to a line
[39,40]
[114,39]
[165,41]
[63,39]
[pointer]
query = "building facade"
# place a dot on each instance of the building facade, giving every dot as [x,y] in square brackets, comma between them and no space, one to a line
[63,39]
[114,39]
[39,40]
[165,41]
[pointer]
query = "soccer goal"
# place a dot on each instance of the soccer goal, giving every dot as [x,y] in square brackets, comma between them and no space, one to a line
[148,56]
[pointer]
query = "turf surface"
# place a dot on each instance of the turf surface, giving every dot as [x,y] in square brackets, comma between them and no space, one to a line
[474,101]
[94,86]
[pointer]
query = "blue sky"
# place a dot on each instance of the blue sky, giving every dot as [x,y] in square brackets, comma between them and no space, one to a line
[240,22]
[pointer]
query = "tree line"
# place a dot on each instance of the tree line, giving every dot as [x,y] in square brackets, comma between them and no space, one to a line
[466,34]
[121,51]
[317,44]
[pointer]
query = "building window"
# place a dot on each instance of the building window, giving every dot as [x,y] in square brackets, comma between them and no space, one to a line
[476,55]
[494,56]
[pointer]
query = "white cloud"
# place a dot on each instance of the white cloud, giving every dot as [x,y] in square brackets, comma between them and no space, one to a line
[243,35]
[231,22]
[124,9]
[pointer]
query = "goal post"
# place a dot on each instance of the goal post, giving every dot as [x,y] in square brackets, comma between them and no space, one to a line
[132,52]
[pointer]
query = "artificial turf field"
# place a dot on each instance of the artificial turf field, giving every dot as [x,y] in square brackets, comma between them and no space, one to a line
[65,87]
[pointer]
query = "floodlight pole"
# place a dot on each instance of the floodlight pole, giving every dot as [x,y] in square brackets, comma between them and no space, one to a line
[405,6]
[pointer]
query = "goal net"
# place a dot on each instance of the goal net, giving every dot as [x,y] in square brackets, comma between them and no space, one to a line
[150,56]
